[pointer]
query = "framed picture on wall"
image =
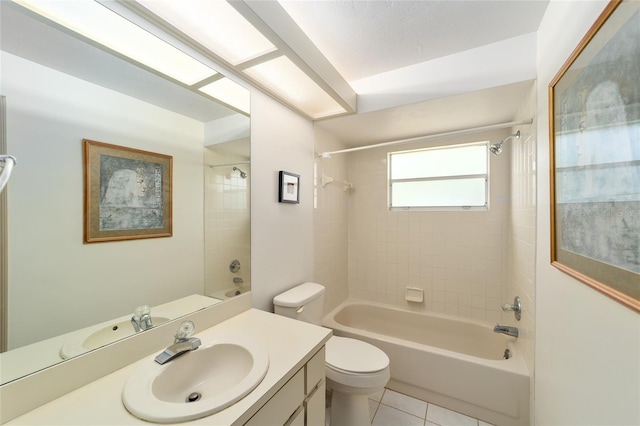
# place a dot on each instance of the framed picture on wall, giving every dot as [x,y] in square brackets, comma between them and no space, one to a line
[289,191]
[127,193]
[594,108]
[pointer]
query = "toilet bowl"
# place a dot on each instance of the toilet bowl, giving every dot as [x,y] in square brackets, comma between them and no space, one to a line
[355,366]
[354,369]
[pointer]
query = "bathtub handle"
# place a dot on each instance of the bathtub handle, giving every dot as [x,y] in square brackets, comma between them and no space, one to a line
[300,309]
[516,308]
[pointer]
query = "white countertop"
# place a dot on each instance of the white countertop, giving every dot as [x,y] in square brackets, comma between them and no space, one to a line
[290,345]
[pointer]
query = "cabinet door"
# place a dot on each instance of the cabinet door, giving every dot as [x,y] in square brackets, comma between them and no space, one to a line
[315,371]
[283,405]
[297,419]
[315,390]
[315,406]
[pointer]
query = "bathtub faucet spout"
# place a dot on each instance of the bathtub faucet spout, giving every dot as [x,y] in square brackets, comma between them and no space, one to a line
[505,329]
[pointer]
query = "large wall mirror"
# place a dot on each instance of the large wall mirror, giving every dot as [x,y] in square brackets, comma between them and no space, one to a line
[62,297]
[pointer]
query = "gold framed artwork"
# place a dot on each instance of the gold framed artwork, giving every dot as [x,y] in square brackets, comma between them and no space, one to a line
[127,193]
[594,117]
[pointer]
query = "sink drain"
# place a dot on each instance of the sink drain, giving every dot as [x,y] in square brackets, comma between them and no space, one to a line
[193,397]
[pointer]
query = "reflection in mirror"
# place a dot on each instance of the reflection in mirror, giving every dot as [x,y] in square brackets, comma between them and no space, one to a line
[227,217]
[66,297]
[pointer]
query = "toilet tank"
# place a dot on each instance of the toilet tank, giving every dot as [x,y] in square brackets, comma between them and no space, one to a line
[304,302]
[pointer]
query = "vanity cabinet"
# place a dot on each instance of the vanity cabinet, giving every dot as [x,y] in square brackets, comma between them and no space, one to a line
[300,402]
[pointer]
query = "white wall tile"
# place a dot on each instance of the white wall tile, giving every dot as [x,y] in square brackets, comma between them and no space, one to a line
[448,254]
[331,266]
[522,231]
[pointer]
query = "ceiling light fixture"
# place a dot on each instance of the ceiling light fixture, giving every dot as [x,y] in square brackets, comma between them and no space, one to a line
[98,23]
[230,93]
[284,77]
[214,24]
[257,40]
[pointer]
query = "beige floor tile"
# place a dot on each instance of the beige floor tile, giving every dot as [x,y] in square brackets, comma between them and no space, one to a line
[405,403]
[387,416]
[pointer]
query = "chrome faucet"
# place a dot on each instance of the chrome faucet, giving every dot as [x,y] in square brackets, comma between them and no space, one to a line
[182,343]
[141,319]
[505,329]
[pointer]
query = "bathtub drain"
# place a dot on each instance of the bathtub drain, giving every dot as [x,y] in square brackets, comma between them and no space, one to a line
[507,354]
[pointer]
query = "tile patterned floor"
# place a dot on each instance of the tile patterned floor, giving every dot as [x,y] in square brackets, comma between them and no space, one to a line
[389,408]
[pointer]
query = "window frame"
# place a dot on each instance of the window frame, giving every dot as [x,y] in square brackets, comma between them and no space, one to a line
[486,177]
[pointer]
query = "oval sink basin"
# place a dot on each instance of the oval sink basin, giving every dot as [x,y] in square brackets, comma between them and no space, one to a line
[198,383]
[103,336]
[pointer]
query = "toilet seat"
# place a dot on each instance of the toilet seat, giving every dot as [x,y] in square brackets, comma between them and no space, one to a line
[351,356]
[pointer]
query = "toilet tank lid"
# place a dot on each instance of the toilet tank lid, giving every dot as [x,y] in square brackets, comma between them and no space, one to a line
[299,295]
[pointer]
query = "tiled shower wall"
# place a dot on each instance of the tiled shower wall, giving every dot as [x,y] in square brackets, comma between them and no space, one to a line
[458,258]
[522,242]
[227,221]
[331,220]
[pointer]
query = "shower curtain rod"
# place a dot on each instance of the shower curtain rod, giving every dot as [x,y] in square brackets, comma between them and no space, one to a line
[431,136]
[228,164]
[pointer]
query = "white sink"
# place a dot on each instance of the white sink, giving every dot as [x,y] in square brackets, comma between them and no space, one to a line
[198,383]
[102,335]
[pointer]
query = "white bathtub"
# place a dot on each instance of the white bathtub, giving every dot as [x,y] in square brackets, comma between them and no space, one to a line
[450,362]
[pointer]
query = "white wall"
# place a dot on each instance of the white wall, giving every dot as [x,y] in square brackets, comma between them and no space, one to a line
[587,355]
[52,273]
[281,234]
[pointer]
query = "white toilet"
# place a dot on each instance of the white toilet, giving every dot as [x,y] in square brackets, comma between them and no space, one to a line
[354,369]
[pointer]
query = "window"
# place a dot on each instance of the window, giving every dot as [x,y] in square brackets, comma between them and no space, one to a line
[441,178]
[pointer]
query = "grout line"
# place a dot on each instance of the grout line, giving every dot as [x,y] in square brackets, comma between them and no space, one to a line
[411,414]
[376,411]
[423,417]
[406,412]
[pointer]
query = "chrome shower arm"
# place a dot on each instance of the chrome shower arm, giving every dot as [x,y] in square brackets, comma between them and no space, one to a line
[496,148]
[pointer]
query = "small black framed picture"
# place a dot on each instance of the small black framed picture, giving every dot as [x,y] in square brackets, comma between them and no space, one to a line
[289,188]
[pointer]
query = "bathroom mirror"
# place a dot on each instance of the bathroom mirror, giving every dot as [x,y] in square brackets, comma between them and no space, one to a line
[60,89]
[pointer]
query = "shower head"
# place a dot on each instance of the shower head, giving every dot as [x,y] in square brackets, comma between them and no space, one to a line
[496,148]
[243,175]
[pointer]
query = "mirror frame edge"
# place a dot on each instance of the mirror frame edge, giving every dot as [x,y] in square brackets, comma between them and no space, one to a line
[4,240]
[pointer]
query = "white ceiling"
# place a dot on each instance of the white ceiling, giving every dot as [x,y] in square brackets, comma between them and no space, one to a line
[366,38]
[418,67]
[421,67]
